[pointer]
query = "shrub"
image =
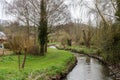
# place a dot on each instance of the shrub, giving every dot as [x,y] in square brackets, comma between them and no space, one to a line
[34,50]
[82,51]
[112,48]
[6,45]
[98,52]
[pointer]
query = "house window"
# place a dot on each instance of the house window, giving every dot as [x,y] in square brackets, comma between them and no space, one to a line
[1,46]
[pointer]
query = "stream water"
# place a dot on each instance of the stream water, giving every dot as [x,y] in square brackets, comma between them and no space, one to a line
[88,69]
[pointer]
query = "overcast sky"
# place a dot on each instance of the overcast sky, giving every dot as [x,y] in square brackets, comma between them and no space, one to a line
[2,14]
[77,12]
[1,10]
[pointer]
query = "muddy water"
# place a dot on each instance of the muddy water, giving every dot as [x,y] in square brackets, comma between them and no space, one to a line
[88,69]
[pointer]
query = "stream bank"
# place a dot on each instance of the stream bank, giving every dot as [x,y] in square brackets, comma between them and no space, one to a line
[112,72]
[88,68]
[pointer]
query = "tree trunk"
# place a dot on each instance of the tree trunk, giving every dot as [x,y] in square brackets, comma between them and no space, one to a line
[42,50]
[35,37]
[46,43]
[27,22]
[28,33]
[19,60]
[69,42]
[24,60]
[88,44]
[86,39]
[46,47]
[43,28]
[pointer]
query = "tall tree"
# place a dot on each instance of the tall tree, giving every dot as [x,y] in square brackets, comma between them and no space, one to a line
[45,14]
[43,28]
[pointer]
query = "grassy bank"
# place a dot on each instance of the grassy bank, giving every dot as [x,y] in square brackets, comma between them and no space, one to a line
[83,49]
[54,43]
[55,62]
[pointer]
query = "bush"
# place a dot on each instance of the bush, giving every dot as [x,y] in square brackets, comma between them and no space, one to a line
[82,43]
[98,52]
[112,48]
[82,51]
[6,45]
[34,50]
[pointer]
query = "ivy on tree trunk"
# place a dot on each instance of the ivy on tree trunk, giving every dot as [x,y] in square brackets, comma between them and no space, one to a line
[43,28]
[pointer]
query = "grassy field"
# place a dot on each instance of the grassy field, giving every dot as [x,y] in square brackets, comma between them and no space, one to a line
[53,63]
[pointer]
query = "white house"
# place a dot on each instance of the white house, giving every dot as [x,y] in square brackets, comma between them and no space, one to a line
[3,38]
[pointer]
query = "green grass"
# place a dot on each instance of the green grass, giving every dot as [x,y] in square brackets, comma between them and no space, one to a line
[83,49]
[53,63]
[53,43]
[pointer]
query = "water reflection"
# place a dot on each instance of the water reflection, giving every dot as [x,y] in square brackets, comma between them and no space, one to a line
[88,69]
[88,60]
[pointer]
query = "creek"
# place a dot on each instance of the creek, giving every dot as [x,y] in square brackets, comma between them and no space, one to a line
[88,69]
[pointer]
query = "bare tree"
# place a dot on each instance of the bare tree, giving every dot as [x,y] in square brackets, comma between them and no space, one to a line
[18,44]
[87,36]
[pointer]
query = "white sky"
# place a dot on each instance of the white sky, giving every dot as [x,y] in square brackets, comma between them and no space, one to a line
[2,14]
[77,12]
[1,11]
